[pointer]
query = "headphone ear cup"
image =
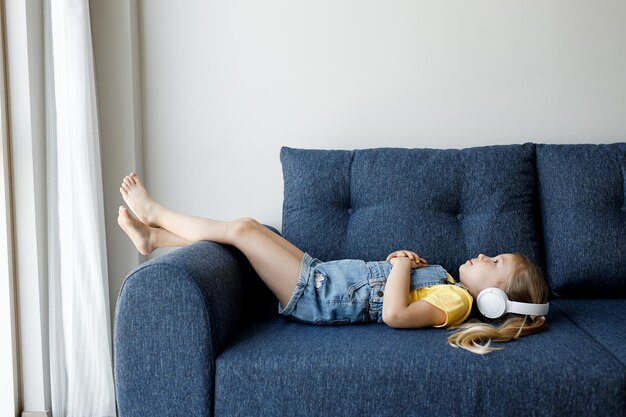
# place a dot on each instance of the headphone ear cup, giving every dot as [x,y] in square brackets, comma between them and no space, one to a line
[492,302]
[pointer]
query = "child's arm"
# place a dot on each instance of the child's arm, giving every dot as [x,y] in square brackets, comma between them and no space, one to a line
[397,312]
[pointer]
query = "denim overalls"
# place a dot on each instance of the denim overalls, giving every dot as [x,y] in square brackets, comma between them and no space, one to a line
[348,290]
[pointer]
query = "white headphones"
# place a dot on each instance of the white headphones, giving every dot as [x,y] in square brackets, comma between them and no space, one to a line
[493,303]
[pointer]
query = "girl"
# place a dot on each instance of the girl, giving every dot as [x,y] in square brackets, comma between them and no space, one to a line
[403,291]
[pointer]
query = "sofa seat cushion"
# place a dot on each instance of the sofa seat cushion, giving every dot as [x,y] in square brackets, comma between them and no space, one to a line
[274,367]
[448,205]
[582,189]
[600,319]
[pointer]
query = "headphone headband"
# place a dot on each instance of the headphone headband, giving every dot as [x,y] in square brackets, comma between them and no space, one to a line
[493,303]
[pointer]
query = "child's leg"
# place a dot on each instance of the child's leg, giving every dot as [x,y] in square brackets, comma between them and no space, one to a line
[146,238]
[133,181]
[274,259]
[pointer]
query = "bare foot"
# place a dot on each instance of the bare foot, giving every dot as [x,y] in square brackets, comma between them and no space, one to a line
[139,200]
[138,232]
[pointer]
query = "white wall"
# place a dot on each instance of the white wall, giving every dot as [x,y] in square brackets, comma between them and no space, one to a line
[116,54]
[226,83]
[220,86]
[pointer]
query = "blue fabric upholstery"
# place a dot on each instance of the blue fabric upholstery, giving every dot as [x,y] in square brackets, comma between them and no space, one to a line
[173,316]
[278,368]
[446,205]
[601,319]
[197,333]
[583,209]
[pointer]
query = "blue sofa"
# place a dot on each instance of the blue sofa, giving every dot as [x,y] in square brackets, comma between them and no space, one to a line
[198,334]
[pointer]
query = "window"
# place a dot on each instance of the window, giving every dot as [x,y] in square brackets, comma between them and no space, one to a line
[9,391]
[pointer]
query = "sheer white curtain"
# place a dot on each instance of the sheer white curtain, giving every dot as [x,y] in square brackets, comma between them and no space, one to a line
[80,355]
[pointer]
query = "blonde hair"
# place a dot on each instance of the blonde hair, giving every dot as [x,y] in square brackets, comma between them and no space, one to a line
[526,285]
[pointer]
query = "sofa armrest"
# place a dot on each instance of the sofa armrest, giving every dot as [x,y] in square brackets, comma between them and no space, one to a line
[173,316]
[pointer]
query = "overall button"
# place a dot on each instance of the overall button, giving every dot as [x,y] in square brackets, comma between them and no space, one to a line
[380,293]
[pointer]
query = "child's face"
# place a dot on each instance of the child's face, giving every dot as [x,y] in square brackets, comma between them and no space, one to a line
[485,272]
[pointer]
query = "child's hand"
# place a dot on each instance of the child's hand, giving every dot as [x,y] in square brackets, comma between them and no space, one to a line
[416,261]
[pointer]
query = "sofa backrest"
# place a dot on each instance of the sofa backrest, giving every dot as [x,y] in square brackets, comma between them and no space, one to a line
[582,191]
[447,205]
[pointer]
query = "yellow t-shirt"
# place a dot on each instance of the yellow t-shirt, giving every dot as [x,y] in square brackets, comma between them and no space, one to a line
[455,301]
